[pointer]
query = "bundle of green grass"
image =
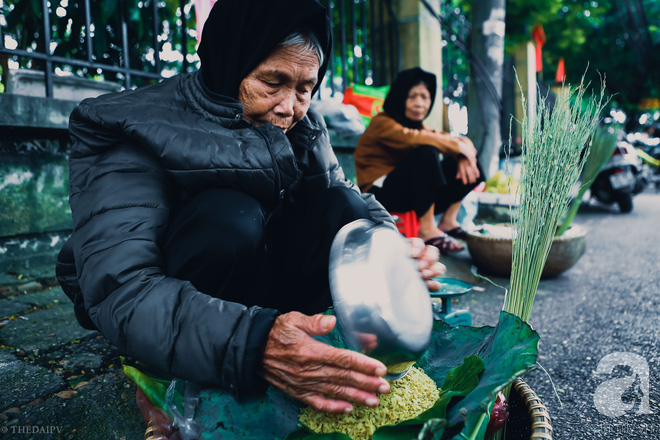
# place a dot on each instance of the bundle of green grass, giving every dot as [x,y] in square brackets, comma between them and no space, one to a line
[555,147]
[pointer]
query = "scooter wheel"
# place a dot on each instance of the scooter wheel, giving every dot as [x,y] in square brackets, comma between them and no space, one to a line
[625,203]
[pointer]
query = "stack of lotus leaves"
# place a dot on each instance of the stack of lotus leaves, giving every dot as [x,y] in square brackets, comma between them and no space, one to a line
[469,364]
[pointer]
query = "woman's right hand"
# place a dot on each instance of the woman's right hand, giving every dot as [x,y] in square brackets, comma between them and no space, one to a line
[467,149]
[427,262]
[466,171]
[324,377]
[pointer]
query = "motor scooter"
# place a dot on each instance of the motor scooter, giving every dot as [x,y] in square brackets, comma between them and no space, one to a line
[621,177]
[648,150]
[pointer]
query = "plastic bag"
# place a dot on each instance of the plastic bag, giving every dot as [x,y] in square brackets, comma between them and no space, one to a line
[343,119]
[182,409]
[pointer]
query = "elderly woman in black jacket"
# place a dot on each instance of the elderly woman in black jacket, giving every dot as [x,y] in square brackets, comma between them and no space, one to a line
[204,208]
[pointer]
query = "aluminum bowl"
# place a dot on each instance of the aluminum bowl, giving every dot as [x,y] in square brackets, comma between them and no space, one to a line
[382,304]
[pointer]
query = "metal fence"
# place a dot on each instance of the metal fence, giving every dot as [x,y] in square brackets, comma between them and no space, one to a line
[371,53]
[123,40]
[35,45]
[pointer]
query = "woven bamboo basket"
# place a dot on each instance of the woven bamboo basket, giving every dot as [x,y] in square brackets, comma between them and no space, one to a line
[528,419]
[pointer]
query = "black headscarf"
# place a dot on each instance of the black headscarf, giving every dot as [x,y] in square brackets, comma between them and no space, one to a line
[240,34]
[395,102]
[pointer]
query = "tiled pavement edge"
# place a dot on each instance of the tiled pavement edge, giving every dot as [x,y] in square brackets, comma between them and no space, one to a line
[58,380]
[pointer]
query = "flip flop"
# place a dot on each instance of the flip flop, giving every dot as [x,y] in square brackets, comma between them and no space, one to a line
[445,244]
[458,232]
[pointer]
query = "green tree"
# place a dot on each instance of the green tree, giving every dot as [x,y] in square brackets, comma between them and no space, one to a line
[522,15]
[456,29]
[616,38]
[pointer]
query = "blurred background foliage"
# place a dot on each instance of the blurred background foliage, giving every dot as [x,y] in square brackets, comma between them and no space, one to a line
[24,24]
[619,39]
[616,39]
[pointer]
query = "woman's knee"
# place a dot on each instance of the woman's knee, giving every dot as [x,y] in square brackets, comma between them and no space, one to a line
[345,200]
[427,152]
[426,159]
[217,226]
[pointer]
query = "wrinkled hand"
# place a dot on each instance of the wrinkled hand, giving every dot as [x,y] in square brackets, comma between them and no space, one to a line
[428,264]
[467,172]
[324,377]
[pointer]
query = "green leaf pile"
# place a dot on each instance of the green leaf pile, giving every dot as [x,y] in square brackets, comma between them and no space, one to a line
[470,365]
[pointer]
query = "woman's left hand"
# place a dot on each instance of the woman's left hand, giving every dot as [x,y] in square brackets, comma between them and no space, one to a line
[427,263]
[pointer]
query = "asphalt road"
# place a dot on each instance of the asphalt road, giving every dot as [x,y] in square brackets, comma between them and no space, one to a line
[608,303]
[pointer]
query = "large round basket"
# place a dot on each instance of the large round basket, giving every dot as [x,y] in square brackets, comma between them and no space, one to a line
[528,418]
[493,255]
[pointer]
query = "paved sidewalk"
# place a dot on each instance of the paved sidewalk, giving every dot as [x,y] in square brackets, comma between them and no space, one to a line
[58,380]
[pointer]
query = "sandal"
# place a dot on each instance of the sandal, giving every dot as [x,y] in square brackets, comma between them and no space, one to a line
[458,232]
[445,244]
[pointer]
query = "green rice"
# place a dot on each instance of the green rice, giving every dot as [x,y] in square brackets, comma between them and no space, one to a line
[408,397]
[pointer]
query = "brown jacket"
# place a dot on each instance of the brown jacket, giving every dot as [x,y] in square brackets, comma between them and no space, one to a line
[386,143]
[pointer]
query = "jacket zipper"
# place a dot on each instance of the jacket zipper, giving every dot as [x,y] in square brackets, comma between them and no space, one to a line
[278,178]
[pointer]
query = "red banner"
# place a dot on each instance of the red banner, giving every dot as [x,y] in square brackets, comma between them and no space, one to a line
[539,38]
[560,77]
[368,100]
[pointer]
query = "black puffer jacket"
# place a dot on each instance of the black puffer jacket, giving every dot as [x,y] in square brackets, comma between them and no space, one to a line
[134,155]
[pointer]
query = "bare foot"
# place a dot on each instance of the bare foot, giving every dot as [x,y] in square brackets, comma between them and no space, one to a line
[429,233]
[447,226]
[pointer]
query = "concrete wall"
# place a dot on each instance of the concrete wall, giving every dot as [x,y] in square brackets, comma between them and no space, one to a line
[34,178]
[35,217]
[70,88]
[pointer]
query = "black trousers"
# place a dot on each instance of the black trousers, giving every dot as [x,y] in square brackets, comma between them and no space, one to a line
[421,180]
[223,243]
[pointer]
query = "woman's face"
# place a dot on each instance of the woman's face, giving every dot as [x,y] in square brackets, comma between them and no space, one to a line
[418,103]
[280,88]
